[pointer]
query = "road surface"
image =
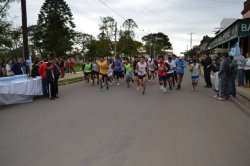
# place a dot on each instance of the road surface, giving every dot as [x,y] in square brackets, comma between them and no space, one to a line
[87,126]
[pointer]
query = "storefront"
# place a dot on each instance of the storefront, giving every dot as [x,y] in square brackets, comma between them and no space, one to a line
[239,32]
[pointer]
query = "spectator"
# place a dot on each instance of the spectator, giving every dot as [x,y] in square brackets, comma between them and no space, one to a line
[35,68]
[62,67]
[207,67]
[241,63]
[224,77]
[71,66]
[247,70]
[67,62]
[19,67]
[8,67]
[42,70]
[57,73]
[51,81]
[3,69]
[233,73]
[1,65]
[216,69]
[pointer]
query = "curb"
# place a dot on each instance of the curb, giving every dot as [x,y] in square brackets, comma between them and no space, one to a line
[70,81]
[242,106]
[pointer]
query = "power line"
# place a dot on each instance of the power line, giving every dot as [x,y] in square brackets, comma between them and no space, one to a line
[224,1]
[111,9]
[140,12]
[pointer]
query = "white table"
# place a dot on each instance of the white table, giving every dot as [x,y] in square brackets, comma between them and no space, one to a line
[20,91]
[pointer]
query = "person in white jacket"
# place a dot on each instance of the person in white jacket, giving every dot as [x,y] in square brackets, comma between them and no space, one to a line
[8,68]
[247,70]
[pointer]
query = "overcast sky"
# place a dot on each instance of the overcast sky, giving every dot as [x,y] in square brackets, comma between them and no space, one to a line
[175,18]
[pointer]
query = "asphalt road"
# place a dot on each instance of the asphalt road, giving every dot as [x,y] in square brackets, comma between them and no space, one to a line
[87,126]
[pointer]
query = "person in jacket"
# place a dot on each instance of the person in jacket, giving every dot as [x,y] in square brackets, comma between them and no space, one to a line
[241,63]
[50,76]
[216,69]
[57,74]
[233,74]
[247,71]
[19,67]
[207,67]
[42,71]
[224,76]
[35,68]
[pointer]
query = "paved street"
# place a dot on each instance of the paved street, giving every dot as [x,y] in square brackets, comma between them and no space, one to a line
[87,126]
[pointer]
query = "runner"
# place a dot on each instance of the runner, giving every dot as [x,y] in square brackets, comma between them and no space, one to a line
[170,73]
[180,67]
[194,69]
[110,72]
[87,69]
[163,68]
[129,72]
[142,68]
[118,69]
[103,71]
[151,68]
[94,73]
[135,70]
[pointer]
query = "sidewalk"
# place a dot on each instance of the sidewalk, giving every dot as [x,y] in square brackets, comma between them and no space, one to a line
[244,92]
[71,78]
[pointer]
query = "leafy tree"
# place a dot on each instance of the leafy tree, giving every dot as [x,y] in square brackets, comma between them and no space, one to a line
[97,48]
[81,41]
[129,25]
[4,6]
[206,39]
[158,42]
[55,31]
[127,45]
[107,27]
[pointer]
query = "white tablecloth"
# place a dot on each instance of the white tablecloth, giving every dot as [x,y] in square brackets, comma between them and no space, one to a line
[21,91]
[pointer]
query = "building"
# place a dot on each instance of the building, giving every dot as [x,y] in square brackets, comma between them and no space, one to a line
[238,31]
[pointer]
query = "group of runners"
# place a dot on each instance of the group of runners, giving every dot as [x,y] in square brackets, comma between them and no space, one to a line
[139,71]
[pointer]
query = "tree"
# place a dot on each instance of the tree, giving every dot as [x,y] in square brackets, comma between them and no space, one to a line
[97,48]
[206,39]
[4,5]
[107,27]
[127,45]
[129,25]
[157,43]
[81,41]
[55,31]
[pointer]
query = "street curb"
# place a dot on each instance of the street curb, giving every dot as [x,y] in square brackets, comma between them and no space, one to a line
[244,95]
[70,81]
[242,106]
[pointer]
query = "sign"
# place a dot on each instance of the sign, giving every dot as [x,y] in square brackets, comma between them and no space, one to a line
[244,28]
[225,36]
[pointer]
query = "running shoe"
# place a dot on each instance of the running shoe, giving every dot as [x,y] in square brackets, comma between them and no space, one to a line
[164,89]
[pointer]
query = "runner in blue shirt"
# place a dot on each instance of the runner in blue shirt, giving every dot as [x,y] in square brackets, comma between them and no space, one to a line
[180,67]
[118,69]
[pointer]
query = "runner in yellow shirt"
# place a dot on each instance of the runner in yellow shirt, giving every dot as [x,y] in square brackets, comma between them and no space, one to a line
[103,71]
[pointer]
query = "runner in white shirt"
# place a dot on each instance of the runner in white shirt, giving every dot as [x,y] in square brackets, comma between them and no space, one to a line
[151,68]
[142,68]
[170,74]
[195,70]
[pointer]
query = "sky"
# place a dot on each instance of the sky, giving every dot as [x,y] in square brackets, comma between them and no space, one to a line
[175,18]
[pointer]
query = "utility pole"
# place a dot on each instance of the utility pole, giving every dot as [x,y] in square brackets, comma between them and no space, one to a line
[191,40]
[115,39]
[25,30]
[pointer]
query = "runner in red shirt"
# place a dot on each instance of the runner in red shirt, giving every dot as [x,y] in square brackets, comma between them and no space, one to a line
[163,68]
